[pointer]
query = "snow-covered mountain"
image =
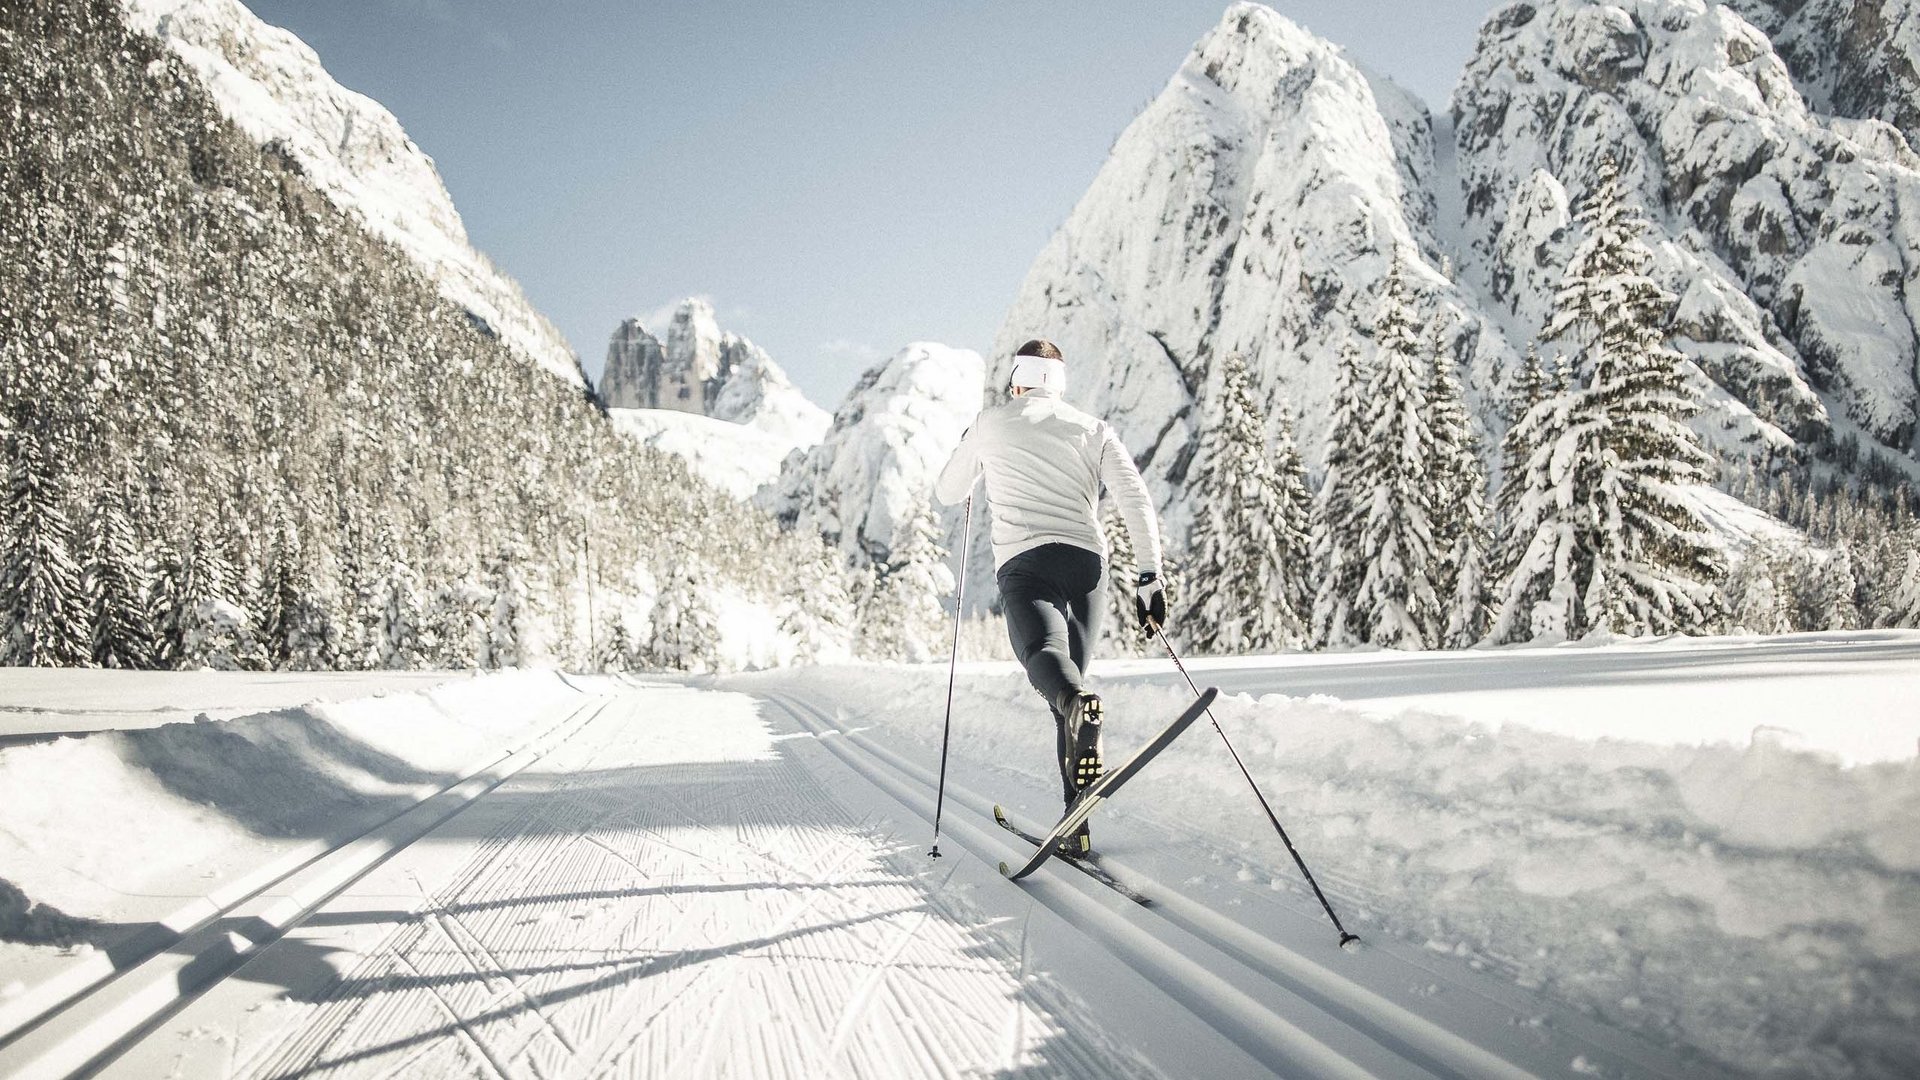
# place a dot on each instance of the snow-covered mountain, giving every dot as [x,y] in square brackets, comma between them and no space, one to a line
[699,369]
[272,85]
[1787,233]
[1257,204]
[875,468]
[1858,58]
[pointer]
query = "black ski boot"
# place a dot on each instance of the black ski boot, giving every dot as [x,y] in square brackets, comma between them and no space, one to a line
[1077,844]
[1084,741]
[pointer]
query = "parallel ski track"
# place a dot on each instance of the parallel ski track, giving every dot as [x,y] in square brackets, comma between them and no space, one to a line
[1411,1044]
[503,974]
[76,1021]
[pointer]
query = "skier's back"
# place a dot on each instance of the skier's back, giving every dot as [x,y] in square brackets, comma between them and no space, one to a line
[1044,462]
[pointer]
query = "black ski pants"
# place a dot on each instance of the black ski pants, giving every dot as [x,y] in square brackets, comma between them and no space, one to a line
[1054,595]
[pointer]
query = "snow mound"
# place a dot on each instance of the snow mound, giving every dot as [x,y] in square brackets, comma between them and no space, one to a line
[351,148]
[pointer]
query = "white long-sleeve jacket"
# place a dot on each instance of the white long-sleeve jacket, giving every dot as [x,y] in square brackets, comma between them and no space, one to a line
[1044,462]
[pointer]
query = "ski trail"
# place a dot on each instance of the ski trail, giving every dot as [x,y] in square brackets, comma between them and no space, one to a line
[669,893]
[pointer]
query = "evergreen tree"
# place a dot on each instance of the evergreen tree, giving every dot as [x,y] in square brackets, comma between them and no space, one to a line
[118,586]
[816,611]
[1606,534]
[1338,562]
[1246,532]
[1458,487]
[295,631]
[42,597]
[511,639]
[902,617]
[686,633]
[1906,592]
[1753,596]
[1120,631]
[1397,598]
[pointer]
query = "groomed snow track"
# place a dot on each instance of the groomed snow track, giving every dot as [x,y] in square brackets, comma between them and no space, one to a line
[1289,1010]
[77,1020]
[623,911]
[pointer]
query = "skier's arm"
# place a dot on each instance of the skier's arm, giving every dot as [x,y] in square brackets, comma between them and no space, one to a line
[1118,473]
[956,479]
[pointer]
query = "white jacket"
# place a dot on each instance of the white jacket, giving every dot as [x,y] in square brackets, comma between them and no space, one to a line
[1044,462]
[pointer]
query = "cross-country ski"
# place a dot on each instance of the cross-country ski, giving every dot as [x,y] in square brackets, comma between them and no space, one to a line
[1108,783]
[1086,864]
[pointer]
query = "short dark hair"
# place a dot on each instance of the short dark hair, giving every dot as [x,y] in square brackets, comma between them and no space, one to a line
[1040,347]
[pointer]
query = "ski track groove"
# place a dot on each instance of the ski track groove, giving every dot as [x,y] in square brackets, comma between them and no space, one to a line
[1400,1035]
[623,918]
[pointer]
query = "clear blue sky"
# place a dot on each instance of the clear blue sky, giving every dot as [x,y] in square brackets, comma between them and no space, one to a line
[839,179]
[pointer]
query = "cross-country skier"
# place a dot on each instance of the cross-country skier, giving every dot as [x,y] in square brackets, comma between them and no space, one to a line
[1044,462]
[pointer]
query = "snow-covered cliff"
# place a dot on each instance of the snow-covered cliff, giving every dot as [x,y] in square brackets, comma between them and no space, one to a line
[1256,207]
[874,470]
[273,86]
[1788,234]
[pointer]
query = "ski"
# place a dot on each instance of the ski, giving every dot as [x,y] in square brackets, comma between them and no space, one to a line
[1102,789]
[1088,865]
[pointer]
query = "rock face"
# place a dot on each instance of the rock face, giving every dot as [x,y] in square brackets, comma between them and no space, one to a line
[1857,58]
[273,86]
[698,369]
[1788,234]
[874,470]
[1255,206]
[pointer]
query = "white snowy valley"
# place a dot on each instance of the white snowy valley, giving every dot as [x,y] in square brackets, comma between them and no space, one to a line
[1673,859]
[380,696]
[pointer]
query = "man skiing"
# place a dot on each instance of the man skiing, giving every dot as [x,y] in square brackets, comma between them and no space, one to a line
[1044,462]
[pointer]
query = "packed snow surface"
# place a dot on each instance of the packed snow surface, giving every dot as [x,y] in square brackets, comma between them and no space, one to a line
[1713,842]
[1571,859]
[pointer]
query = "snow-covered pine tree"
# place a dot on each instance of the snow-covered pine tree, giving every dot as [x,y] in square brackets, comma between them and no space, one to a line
[1530,386]
[1753,597]
[511,640]
[1119,629]
[1240,550]
[119,588]
[615,645]
[1609,538]
[1458,487]
[1295,531]
[42,597]
[402,618]
[1835,606]
[1906,593]
[902,617]
[1338,563]
[686,633]
[815,611]
[295,632]
[1397,602]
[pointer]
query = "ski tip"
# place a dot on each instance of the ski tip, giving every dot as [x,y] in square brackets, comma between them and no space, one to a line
[1004,871]
[999,814]
[1350,942]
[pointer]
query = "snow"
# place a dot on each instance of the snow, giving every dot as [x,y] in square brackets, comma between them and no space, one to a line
[1711,841]
[272,85]
[1686,857]
[736,458]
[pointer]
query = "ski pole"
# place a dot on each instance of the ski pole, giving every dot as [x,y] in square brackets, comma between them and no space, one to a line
[953,662]
[1345,938]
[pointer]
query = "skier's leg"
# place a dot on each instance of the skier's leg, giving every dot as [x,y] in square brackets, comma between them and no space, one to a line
[1086,589]
[1037,624]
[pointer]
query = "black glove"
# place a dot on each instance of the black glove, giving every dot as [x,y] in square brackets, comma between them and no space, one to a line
[1150,601]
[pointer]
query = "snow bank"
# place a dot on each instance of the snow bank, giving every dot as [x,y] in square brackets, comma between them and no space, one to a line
[105,832]
[1758,902]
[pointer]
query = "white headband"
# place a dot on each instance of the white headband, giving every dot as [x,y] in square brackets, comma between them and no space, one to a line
[1031,371]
